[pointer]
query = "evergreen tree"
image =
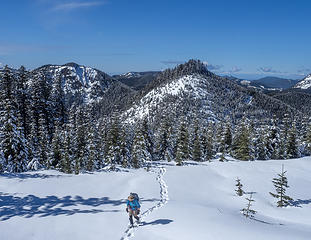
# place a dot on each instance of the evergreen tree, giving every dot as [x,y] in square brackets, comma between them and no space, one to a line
[292,145]
[13,143]
[207,143]
[280,185]
[273,140]
[259,143]
[227,140]
[82,153]
[23,101]
[140,154]
[67,150]
[95,147]
[285,124]
[55,158]
[196,147]
[219,138]
[242,142]
[248,211]
[239,191]
[307,140]
[58,99]
[148,137]
[182,148]
[165,149]
[113,150]
[42,148]
[125,153]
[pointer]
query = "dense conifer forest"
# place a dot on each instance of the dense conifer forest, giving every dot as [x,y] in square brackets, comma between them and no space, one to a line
[41,128]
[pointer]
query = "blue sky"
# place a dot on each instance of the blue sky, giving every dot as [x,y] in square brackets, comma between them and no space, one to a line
[243,38]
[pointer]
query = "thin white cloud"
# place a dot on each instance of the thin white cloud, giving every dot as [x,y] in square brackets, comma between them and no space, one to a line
[304,71]
[75,5]
[236,69]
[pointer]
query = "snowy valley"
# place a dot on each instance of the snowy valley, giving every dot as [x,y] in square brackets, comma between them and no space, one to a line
[195,201]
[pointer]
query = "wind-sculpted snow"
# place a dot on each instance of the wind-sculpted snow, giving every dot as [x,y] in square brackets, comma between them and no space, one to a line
[129,233]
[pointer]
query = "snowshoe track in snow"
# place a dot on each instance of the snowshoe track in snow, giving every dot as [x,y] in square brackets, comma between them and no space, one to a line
[129,233]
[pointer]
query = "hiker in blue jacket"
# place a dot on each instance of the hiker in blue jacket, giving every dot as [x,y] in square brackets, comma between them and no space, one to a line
[133,208]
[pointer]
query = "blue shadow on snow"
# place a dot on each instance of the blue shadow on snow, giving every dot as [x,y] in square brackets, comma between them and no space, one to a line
[30,206]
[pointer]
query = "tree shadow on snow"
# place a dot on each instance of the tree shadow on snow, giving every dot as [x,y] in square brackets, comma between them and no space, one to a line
[157,222]
[299,202]
[30,206]
[29,175]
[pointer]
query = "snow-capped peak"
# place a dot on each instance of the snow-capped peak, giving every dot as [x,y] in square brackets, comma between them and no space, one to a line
[131,74]
[305,83]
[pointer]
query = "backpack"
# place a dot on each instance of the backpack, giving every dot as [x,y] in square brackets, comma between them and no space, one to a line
[135,196]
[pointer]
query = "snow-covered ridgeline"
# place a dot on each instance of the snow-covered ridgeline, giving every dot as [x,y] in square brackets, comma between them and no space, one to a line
[78,79]
[305,83]
[190,85]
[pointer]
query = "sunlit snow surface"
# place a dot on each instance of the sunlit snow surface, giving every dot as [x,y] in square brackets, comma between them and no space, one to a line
[192,85]
[201,203]
[305,83]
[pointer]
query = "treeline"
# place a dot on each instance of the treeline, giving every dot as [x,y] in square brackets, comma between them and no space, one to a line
[39,131]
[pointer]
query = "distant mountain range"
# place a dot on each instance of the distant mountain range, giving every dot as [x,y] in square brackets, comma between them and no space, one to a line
[266,83]
[137,80]
[187,90]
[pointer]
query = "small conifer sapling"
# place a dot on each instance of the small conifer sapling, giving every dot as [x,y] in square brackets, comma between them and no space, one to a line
[280,185]
[239,191]
[248,211]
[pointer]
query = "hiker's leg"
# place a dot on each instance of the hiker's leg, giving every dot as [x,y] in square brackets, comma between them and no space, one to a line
[131,216]
[135,213]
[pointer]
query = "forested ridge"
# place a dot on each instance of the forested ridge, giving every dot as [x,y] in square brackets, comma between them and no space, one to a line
[85,125]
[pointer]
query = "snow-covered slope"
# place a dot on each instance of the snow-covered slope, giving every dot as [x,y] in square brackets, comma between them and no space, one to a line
[190,86]
[196,201]
[191,91]
[305,83]
[77,79]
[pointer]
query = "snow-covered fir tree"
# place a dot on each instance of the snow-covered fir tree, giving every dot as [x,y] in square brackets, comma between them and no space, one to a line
[284,130]
[292,142]
[13,142]
[140,154]
[273,140]
[125,148]
[182,144]
[82,153]
[148,137]
[113,150]
[67,159]
[307,140]
[242,141]
[260,142]
[196,151]
[55,156]
[23,101]
[164,145]
[207,140]
[58,100]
